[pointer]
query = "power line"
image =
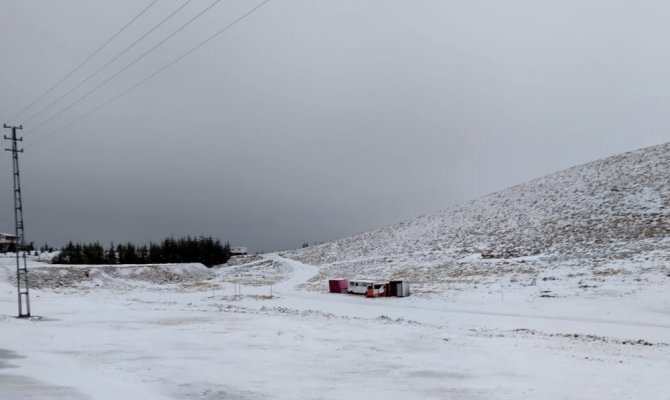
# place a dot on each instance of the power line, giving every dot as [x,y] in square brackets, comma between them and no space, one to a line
[107,64]
[103,83]
[153,74]
[69,74]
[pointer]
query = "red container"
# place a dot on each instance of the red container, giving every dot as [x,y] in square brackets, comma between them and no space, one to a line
[338,285]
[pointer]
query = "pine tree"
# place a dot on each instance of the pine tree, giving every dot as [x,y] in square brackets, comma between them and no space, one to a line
[110,255]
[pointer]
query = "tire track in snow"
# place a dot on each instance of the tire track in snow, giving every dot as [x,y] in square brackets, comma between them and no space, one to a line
[301,273]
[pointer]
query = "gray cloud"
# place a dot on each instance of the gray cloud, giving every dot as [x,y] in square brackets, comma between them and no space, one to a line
[312,120]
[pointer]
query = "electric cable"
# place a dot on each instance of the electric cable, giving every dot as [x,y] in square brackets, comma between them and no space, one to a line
[26,121]
[69,74]
[103,83]
[152,75]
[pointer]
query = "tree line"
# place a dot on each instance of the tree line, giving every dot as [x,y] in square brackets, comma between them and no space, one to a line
[30,247]
[204,250]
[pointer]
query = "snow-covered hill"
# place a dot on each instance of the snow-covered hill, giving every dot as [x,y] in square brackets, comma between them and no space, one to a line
[555,289]
[606,219]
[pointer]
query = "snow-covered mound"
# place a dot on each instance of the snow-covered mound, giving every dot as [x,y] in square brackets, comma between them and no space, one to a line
[45,276]
[610,217]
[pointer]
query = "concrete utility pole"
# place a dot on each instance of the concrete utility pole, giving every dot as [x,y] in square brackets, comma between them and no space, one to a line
[21,268]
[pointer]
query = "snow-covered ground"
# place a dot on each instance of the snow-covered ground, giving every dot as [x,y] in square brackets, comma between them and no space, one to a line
[207,337]
[554,289]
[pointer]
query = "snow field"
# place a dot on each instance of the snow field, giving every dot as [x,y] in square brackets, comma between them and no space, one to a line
[167,341]
[554,289]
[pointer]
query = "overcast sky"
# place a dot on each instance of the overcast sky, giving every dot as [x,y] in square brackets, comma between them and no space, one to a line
[313,120]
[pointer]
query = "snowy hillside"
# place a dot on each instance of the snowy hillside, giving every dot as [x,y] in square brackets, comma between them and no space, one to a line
[607,218]
[555,289]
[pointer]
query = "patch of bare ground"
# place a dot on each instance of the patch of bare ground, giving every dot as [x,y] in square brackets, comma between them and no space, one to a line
[240,260]
[256,273]
[610,271]
[589,338]
[200,286]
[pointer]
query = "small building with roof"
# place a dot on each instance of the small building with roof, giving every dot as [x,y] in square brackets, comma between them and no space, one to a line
[7,240]
[238,251]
